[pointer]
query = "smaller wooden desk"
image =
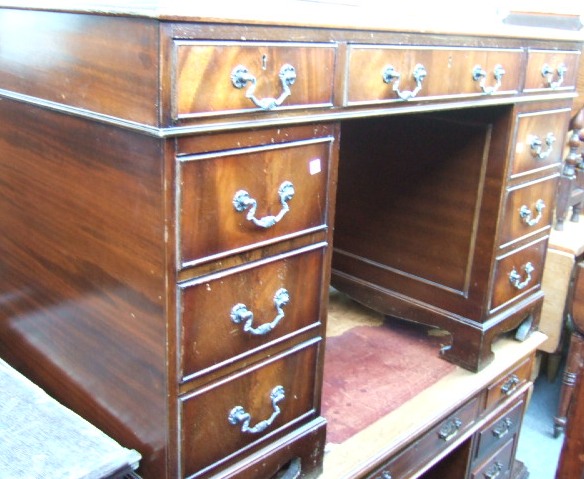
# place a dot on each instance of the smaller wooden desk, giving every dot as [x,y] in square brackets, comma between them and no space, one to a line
[414,440]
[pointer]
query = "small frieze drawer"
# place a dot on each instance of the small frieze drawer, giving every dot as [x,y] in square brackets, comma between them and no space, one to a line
[518,273]
[251,197]
[394,73]
[539,141]
[508,384]
[500,429]
[528,209]
[224,420]
[440,437]
[549,70]
[223,318]
[219,78]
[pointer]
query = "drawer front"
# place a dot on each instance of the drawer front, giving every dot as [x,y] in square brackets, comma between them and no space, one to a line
[551,70]
[500,429]
[518,273]
[432,443]
[250,197]
[539,141]
[508,384]
[381,74]
[246,410]
[499,465]
[223,318]
[528,209]
[226,77]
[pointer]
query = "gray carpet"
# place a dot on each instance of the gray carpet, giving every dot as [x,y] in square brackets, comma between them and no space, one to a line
[538,448]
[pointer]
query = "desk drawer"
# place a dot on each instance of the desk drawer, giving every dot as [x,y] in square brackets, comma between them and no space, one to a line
[500,429]
[528,209]
[244,411]
[449,72]
[223,318]
[517,273]
[551,70]
[499,465]
[508,384]
[250,197]
[432,443]
[539,141]
[218,78]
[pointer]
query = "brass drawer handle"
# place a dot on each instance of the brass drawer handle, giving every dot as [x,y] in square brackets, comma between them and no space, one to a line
[547,73]
[243,200]
[493,471]
[537,146]
[503,428]
[450,429]
[391,75]
[510,385]
[240,314]
[239,415]
[526,214]
[240,76]
[515,277]
[480,75]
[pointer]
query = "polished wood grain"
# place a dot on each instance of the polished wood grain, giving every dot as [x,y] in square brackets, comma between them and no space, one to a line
[106,65]
[207,438]
[528,197]
[209,183]
[204,84]
[210,336]
[538,125]
[83,271]
[449,71]
[534,80]
[504,291]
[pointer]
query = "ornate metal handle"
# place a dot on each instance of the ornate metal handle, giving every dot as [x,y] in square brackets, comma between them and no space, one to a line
[240,76]
[240,314]
[239,415]
[493,471]
[503,428]
[537,146]
[526,214]
[480,75]
[548,73]
[450,429]
[243,200]
[391,75]
[515,277]
[510,385]
[384,475]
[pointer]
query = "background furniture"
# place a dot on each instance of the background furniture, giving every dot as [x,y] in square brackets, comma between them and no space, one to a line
[571,464]
[167,194]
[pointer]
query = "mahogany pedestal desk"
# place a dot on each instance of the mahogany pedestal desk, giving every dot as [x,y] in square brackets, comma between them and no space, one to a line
[172,177]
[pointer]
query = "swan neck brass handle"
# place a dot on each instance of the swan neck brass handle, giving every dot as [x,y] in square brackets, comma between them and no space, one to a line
[536,145]
[547,73]
[480,75]
[239,415]
[240,77]
[517,280]
[526,214]
[242,200]
[391,76]
[240,314]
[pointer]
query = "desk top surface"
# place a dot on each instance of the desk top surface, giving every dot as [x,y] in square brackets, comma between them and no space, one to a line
[448,17]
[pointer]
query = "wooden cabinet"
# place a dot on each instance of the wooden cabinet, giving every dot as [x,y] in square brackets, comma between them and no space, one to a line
[170,196]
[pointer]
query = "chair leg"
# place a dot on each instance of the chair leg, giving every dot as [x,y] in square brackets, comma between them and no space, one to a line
[569,377]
